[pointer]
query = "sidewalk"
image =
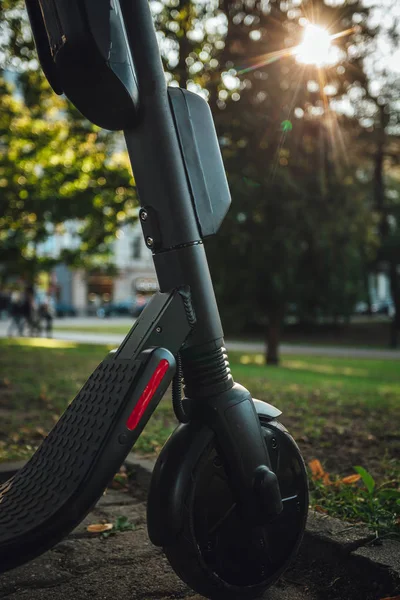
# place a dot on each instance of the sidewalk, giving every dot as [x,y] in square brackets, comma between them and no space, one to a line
[334,562]
[125,565]
[113,339]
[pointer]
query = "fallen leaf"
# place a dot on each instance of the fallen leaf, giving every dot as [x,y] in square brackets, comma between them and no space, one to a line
[319,509]
[99,527]
[349,479]
[316,469]
[5,489]
[318,472]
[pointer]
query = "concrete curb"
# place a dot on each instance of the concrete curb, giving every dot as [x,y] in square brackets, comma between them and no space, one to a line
[9,469]
[340,555]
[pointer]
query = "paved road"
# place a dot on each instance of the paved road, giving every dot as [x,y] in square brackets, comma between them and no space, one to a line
[103,337]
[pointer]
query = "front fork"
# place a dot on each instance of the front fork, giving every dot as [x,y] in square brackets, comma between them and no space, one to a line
[212,397]
[240,445]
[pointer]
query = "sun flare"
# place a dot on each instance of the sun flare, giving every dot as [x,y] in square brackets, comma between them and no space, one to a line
[316,47]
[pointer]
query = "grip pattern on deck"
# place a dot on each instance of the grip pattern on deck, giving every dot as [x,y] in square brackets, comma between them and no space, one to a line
[64,458]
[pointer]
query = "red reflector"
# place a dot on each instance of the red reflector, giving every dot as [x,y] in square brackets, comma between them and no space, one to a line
[147,395]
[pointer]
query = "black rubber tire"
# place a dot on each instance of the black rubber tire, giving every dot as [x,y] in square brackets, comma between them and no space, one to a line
[187,555]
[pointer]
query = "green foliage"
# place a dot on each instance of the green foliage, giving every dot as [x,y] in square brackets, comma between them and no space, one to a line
[191,35]
[121,524]
[300,228]
[362,501]
[56,168]
[51,173]
[368,480]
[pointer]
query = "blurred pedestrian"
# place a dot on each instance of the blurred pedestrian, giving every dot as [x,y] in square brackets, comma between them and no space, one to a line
[46,313]
[15,313]
[30,313]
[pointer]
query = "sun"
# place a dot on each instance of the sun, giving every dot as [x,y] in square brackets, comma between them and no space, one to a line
[316,47]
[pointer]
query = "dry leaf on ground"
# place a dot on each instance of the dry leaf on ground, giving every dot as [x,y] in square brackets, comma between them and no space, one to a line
[316,468]
[349,479]
[99,527]
[318,472]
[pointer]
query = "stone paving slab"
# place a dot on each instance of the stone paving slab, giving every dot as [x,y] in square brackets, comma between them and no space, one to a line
[343,560]
[126,565]
[337,532]
[385,555]
[336,561]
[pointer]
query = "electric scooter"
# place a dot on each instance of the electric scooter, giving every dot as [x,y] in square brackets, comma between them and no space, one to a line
[228,497]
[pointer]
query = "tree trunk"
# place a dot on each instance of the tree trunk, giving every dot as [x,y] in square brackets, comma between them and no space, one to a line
[366,282]
[379,183]
[185,45]
[379,193]
[395,292]
[273,337]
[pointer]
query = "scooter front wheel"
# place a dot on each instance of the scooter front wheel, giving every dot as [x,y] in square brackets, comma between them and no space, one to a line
[218,553]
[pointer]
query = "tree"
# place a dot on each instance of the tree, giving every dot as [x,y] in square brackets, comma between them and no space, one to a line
[387,205]
[375,101]
[55,166]
[299,225]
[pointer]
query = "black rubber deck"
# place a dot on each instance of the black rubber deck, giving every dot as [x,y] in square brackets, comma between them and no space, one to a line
[39,504]
[55,490]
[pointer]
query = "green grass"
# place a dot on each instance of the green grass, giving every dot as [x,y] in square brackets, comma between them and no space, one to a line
[343,412]
[360,500]
[311,371]
[38,378]
[340,410]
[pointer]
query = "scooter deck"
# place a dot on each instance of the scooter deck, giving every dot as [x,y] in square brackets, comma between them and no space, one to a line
[65,477]
[57,487]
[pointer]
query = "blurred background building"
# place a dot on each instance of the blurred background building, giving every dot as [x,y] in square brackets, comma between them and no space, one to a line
[77,291]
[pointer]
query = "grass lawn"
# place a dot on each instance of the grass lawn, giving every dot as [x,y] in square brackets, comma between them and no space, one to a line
[342,412]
